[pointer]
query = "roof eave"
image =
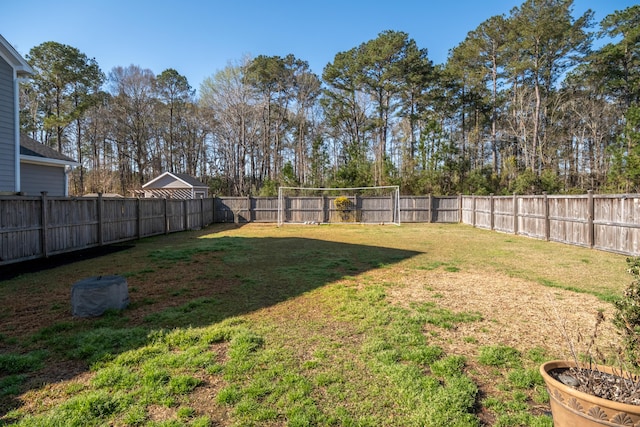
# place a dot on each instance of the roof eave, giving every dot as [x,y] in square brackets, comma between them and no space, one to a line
[22,67]
[47,161]
[157,178]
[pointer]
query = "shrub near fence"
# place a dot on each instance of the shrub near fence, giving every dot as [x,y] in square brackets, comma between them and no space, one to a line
[35,227]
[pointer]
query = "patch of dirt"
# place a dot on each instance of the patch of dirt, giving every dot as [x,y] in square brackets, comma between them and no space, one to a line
[45,391]
[203,398]
[515,312]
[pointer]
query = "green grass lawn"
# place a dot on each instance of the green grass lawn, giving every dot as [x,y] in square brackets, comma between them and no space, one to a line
[292,326]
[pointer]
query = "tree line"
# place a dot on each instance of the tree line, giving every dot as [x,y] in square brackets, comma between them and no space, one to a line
[525,103]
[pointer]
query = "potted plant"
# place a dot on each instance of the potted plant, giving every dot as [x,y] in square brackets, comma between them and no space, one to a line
[571,407]
[588,394]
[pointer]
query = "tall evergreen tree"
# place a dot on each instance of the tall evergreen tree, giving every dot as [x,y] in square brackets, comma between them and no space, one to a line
[64,80]
[175,94]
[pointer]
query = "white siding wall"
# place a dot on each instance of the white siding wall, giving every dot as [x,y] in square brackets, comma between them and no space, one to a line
[7,128]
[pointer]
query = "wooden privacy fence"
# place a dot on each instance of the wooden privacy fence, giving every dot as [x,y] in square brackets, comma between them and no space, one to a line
[37,227]
[265,209]
[606,222]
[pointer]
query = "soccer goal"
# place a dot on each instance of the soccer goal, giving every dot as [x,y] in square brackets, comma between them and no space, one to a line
[354,205]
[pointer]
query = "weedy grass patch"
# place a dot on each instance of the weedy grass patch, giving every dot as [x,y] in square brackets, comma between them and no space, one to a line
[298,326]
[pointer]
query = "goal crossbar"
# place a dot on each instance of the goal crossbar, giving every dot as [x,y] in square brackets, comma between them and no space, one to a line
[320,205]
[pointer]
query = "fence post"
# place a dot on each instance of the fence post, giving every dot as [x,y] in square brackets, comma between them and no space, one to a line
[459,208]
[166,217]
[202,213]
[213,210]
[45,222]
[100,220]
[326,215]
[547,223]
[185,212]
[515,213]
[430,209]
[491,211]
[590,214]
[249,211]
[473,210]
[139,214]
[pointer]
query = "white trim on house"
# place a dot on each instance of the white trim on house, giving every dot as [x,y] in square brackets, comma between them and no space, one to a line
[16,127]
[46,161]
[17,62]
[21,69]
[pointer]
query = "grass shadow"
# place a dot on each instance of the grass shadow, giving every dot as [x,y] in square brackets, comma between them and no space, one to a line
[177,281]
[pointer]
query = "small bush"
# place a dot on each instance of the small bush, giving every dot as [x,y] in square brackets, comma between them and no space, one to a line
[342,203]
[627,314]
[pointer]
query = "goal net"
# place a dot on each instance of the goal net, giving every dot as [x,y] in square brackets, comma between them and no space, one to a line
[368,205]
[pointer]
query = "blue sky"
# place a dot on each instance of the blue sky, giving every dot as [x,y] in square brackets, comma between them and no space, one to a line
[198,38]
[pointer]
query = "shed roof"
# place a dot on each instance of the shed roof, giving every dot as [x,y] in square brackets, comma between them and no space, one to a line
[188,180]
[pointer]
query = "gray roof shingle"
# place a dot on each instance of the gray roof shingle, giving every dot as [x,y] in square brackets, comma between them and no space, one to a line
[31,147]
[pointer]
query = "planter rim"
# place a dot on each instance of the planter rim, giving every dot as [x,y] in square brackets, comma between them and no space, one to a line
[559,364]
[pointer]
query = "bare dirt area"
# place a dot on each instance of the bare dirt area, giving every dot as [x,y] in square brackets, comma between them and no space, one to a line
[515,312]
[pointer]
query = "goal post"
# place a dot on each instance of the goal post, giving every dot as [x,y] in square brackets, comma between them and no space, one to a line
[349,205]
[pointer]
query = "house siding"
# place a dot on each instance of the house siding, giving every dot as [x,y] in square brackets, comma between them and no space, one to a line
[7,128]
[38,178]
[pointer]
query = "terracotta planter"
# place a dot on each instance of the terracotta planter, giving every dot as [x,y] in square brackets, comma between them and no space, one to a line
[571,407]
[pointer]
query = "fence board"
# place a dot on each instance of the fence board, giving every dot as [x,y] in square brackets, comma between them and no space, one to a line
[531,216]
[503,212]
[120,220]
[152,220]
[607,222]
[483,212]
[232,209]
[72,223]
[617,223]
[264,209]
[445,209]
[415,209]
[568,220]
[175,215]
[20,228]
